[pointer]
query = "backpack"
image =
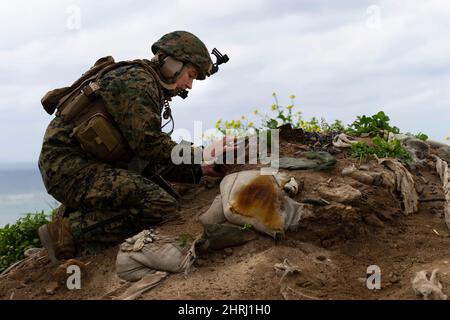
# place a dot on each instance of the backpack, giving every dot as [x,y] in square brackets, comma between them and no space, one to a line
[94,127]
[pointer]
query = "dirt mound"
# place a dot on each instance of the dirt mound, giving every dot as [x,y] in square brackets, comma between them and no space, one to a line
[332,249]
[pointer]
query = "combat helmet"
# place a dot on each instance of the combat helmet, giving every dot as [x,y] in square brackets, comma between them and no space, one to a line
[187,48]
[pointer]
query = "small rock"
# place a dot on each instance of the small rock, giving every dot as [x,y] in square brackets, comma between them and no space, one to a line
[394,280]
[31,251]
[51,288]
[385,215]
[348,170]
[364,167]
[321,258]
[342,194]
[444,153]
[60,273]
[372,220]
[228,251]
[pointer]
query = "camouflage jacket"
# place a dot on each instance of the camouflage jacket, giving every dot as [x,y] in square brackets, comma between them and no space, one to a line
[134,99]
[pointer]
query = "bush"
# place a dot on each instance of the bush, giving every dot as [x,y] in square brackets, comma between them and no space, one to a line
[16,238]
[376,125]
[382,149]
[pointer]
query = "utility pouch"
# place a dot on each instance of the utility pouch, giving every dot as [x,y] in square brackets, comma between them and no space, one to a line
[98,137]
[78,105]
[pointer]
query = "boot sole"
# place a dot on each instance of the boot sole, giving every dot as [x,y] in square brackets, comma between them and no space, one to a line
[47,242]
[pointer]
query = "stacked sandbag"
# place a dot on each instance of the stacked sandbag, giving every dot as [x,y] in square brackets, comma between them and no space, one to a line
[444,173]
[403,182]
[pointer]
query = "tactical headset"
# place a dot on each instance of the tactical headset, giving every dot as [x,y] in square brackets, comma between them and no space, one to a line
[171,68]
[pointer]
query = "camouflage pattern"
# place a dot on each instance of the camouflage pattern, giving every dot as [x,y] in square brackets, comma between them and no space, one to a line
[186,47]
[111,202]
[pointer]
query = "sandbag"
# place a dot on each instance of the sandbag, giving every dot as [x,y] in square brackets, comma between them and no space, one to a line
[317,160]
[417,149]
[148,252]
[343,141]
[403,183]
[429,288]
[444,174]
[249,198]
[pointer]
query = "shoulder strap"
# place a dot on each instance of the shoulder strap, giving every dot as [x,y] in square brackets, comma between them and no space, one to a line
[54,98]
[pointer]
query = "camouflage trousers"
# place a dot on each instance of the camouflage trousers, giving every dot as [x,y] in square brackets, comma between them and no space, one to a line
[112,204]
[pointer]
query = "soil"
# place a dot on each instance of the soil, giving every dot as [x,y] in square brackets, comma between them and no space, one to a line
[332,248]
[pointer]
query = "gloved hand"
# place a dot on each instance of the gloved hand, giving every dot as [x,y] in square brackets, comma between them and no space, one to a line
[219,148]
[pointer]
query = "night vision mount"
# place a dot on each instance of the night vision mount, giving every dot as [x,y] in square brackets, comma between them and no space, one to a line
[220,59]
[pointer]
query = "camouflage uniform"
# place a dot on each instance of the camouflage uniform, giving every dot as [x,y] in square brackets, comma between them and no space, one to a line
[111,202]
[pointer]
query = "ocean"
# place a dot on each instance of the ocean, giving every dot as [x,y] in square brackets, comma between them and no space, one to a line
[22,191]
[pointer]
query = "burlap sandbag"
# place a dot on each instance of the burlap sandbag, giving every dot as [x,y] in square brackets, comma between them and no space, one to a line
[147,252]
[249,198]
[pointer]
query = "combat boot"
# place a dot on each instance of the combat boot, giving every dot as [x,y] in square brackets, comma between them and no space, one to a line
[57,238]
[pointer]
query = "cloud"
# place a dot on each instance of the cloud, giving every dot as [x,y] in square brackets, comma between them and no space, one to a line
[340,59]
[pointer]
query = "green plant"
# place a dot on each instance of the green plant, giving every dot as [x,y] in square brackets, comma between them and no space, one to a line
[421,136]
[183,240]
[361,150]
[376,125]
[280,116]
[381,149]
[336,126]
[16,238]
[283,115]
[246,226]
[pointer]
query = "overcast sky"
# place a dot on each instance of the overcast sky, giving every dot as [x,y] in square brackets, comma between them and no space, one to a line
[340,58]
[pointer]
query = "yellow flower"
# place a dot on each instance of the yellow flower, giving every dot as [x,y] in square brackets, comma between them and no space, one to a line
[250,124]
[292,96]
[274,107]
[274,94]
[447,138]
[256,112]
[237,124]
[290,107]
[242,118]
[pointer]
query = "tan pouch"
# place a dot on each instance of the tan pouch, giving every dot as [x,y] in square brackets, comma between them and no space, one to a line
[101,139]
